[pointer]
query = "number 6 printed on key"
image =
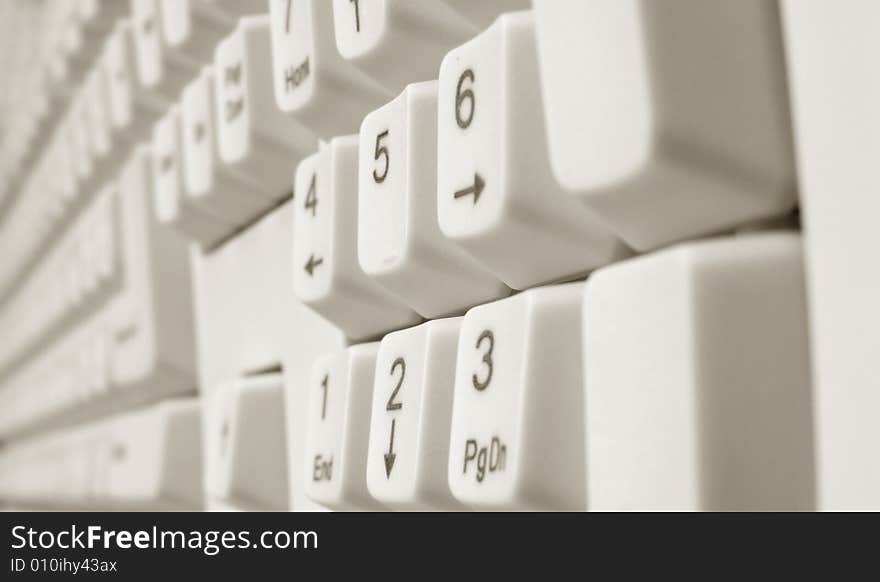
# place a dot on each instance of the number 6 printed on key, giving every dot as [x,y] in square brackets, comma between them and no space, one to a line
[487,359]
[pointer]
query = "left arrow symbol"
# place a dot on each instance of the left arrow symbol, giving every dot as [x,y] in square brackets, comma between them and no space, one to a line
[312,263]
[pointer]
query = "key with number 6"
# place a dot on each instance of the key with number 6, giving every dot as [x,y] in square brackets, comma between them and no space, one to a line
[497,196]
[517,437]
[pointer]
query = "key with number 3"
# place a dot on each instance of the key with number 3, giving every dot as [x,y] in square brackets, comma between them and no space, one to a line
[517,437]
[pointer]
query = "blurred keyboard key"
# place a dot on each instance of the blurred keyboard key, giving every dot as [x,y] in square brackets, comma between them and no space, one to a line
[698,393]
[669,120]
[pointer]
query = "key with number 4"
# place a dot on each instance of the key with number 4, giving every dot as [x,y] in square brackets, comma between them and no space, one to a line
[497,196]
[340,397]
[399,242]
[326,273]
[517,437]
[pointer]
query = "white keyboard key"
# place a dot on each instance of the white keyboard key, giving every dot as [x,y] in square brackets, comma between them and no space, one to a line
[167,177]
[193,27]
[517,417]
[236,9]
[326,273]
[246,452]
[835,87]
[698,392]
[132,108]
[412,409]
[210,185]
[484,12]
[340,397]
[670,119]
[253,135]
[497,197]
[96,103]
[399,241]
[78,134]
[312,81]
[398,42]
[153,457]
[98,16]
[160,69]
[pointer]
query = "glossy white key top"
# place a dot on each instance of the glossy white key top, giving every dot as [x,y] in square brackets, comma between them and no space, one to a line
[835,87]
[497,197]
[517,418]
[412,408]
[159,68]
[96,103]
[670,119]
[132,108]
[253,135]
[399,241]
[484,12]
[154,457]
[246,449]
[698,392]
[326,273]
[398,42]
[209,184]
[167,177]
[312,81]
[340,397]
[193,27]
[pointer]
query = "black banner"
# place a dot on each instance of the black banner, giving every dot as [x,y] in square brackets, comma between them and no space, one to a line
[131,546]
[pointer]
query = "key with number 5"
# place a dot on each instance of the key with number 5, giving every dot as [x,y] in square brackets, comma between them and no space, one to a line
[517,437]
[497,196]
[399,243]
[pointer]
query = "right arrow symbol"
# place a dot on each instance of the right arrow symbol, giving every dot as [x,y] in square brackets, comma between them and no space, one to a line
[476,189]
[390,455]
[312,263]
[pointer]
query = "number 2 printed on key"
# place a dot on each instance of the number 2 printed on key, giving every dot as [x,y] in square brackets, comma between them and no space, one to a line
[392,405]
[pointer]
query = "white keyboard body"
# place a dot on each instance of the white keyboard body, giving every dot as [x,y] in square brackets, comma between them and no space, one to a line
[439,255]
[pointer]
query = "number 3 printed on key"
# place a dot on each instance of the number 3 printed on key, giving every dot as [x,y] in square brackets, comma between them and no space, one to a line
[487,360]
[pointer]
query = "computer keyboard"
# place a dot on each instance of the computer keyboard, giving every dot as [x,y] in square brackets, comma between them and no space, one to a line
[439,255]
